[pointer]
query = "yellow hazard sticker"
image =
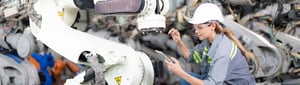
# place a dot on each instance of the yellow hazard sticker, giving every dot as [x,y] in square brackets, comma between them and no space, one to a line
[118,79]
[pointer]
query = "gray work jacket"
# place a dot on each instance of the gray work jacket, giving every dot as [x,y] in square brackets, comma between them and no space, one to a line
[222,62]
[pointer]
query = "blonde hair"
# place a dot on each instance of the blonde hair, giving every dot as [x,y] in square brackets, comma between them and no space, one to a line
[219,29]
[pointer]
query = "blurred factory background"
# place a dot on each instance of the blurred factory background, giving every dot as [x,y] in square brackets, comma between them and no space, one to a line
[268,28]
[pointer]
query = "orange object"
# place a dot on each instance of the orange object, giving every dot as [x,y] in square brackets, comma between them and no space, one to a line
[34,62]
[57,69]
[73,67]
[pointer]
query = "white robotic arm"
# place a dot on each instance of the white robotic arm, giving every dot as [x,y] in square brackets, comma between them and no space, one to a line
[122,64]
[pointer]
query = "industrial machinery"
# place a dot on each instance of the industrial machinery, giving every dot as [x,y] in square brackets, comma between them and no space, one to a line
[50,23]
[122,67]
[268,29]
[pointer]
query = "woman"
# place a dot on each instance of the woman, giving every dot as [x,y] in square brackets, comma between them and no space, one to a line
[222,57]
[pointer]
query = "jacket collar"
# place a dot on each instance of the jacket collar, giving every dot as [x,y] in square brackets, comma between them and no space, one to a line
[214,45]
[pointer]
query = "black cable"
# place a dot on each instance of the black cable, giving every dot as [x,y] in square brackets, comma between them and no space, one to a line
[157,10]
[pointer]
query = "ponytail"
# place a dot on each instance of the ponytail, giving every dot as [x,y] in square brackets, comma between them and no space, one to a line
[219,29]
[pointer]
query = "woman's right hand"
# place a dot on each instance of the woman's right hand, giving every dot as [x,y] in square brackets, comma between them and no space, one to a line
[175,35]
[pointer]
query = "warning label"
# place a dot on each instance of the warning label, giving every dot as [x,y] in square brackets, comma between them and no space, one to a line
[118,79]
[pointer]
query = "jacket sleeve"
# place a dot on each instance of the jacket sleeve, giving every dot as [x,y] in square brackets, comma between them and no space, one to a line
[218,71]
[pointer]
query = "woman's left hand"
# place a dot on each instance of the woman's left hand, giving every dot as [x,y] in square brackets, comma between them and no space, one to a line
[174,67]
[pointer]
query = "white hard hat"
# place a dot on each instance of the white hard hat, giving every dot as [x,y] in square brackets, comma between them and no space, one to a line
[206,12]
